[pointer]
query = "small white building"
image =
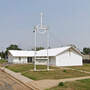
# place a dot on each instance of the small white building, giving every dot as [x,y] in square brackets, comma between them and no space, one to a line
[63,56]
[0,58]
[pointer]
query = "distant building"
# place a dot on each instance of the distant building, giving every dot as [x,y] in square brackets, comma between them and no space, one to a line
[86,58]
[63,56]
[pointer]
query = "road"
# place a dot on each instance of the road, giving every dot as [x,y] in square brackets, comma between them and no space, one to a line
[9,83]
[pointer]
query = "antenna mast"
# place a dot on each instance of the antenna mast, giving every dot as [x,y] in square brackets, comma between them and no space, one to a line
[42,29]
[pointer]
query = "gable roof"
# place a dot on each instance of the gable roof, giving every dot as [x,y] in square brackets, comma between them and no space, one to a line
[20,53]
[51,52]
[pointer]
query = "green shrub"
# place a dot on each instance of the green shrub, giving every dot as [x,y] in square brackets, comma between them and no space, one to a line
[61,84]
[3,61]
[64,70]
[6,66]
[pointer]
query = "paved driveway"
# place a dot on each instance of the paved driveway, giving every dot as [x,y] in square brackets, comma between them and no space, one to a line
[9,83]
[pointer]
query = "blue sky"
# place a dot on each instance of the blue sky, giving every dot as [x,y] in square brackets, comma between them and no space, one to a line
[68,20]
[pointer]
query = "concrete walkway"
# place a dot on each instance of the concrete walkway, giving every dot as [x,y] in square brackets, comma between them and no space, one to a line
[43,84]
[26,81]
[9,83]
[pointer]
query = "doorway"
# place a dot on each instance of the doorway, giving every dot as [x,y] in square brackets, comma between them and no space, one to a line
[29,59]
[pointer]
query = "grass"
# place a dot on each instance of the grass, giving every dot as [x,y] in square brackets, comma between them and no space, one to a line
[20,67]
[85,67]
[75,85]
[2,61]
[25,67]
[57,73]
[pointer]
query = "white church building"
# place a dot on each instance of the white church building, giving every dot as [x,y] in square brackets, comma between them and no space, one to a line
[63,56]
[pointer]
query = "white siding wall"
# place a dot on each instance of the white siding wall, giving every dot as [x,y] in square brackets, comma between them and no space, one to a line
[17,61]
[10,59]
[52,61]
[69,59]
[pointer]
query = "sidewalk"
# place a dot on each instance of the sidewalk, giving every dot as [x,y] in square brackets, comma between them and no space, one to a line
[28,82]
[43,84]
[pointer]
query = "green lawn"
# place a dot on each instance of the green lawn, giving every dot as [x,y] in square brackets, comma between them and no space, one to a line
[26,67]
[2,61]
[56,73]
[20,67]
[75,85]
[85,67]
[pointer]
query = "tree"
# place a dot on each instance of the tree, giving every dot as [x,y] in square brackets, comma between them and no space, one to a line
[12,47]
[86,50]
[39,48]
[2,54]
